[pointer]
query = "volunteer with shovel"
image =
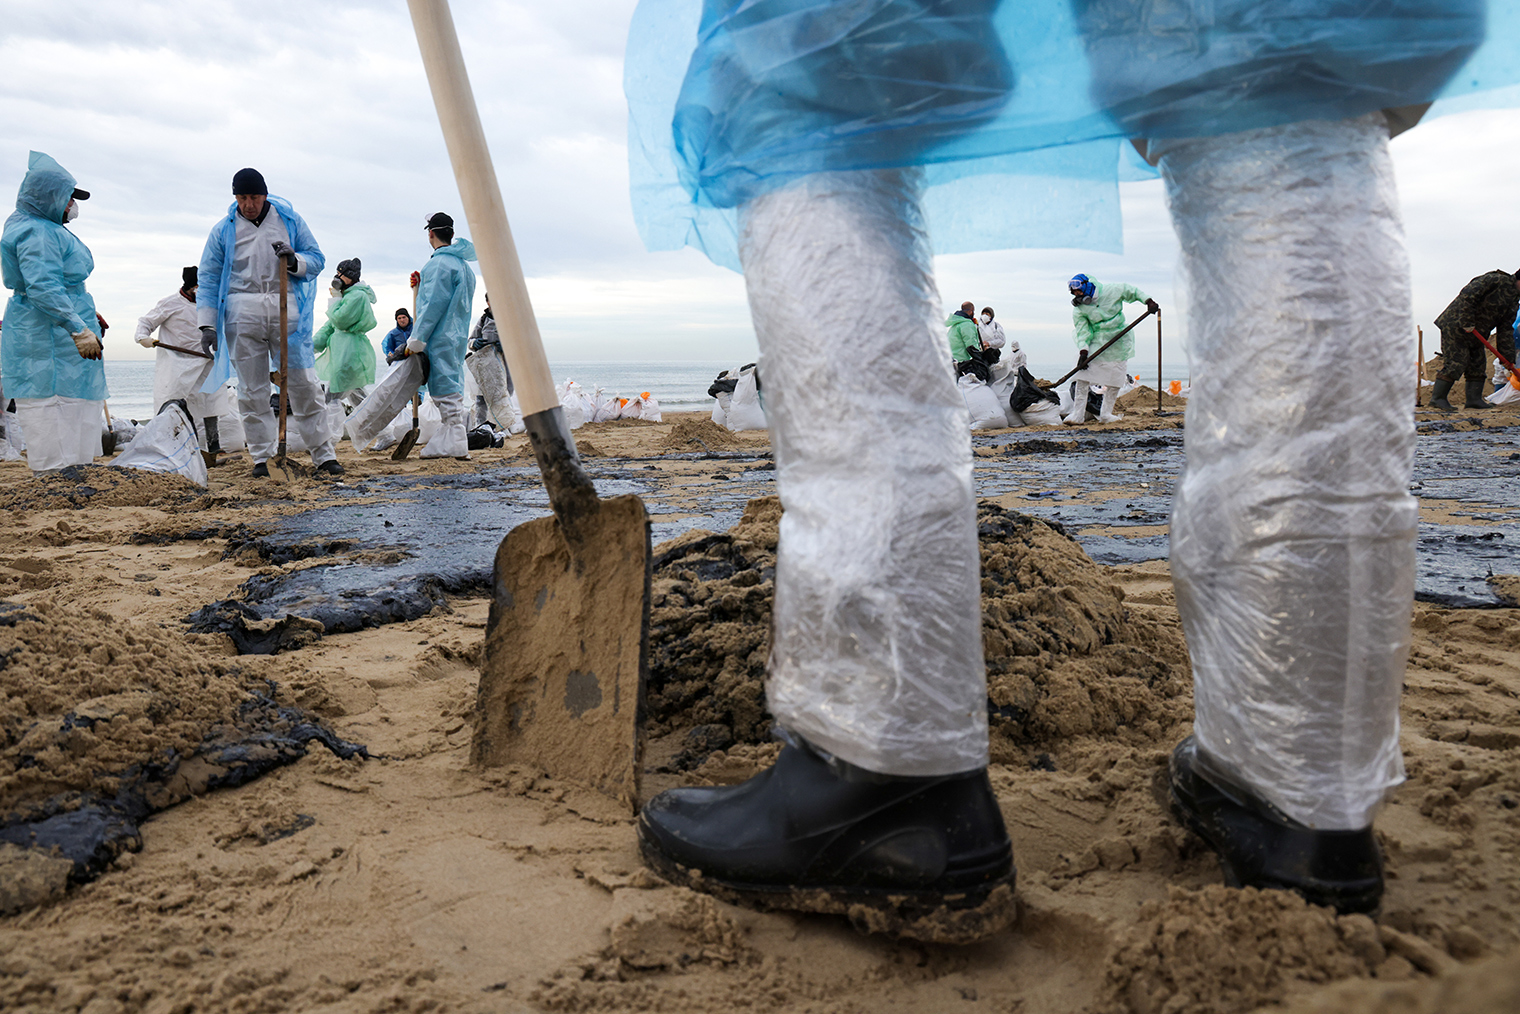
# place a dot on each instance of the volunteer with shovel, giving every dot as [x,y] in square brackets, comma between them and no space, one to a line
[181,367]
[442,331]
[261,239]
[1486,304]
[1097,315]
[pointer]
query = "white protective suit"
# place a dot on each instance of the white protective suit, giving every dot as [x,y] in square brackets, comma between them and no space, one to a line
[877,653]
[1293,528]
[175,374]
[252,325]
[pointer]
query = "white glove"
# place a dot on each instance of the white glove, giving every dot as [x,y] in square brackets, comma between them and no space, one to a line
[87,344]
[145,340]
[416,345]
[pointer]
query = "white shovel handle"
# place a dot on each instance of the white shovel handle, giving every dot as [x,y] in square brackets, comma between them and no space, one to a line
[483,207]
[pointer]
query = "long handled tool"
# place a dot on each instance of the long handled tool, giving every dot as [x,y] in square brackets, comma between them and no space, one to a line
[561,682]
[279,471]
[1105,347]
[409,439]
[182,351]
[1507,364]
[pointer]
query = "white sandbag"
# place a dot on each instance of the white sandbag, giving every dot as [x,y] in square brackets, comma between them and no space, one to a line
[60,431]
[744,410]
[428,420]
[13,434]
[10,438]
[1067,401]
[1005,378]
[168,443]
[605,405]
[229,429]
[720,408]
[646,407]
[576,404]
[1506,394]
[981,403]
[1043,413]
[389,398]
[489,372]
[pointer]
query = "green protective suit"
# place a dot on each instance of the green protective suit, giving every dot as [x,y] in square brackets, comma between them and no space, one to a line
[963,337]
[1096,322]
[346,359]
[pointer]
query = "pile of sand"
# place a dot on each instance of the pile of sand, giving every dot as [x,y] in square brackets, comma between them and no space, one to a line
[1142,397]
[694,433]
[101,486]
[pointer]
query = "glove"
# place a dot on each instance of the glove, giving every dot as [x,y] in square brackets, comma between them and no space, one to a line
[1082,360]
[146,341]
[416,278]
[87,344]
[208,340]
[103,325]
[1153,306]
[282,249]
[416,345]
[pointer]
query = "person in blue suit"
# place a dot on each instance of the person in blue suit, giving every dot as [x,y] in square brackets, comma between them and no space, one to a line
[238,307]
[50,357]
[442,330]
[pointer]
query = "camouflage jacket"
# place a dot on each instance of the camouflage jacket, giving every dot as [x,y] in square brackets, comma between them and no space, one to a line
[1485,303]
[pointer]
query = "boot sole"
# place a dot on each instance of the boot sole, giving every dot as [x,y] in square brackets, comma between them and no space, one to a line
[945,917]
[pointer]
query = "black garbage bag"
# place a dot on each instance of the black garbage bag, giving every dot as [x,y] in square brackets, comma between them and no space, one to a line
[1026,392]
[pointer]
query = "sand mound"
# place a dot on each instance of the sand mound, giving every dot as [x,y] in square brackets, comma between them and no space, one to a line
[693,433]
[1064,656]
[101,486]
[1219,951]
[1144,397]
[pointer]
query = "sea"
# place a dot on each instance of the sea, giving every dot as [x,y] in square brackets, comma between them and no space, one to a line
[680,385]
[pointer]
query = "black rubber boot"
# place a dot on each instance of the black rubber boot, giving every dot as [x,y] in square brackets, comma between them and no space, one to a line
[330,467]
[261,470]
[1260,846]
[1475,394]
[1438,392]
[926,858]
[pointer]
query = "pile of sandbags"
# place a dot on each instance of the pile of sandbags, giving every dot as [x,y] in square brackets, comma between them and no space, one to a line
[736,394]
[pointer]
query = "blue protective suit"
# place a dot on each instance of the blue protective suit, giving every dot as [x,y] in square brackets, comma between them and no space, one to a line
[215,277]
[1019,110]
[444,299]
[394,339]
[45,265]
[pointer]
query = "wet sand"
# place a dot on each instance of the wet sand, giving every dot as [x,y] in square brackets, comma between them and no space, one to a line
[413,882]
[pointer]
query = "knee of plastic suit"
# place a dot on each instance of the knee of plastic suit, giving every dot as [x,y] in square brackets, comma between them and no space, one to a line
[877,653]
[1292,539]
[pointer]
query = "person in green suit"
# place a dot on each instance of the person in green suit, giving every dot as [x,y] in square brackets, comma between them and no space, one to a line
[345,356]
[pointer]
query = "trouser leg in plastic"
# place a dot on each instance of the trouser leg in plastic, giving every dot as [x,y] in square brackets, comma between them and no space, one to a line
[1078,414]
[1293,528]
[452,438]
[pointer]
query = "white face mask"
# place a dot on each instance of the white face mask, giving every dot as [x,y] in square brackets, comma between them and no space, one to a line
[986,319]
[72,212]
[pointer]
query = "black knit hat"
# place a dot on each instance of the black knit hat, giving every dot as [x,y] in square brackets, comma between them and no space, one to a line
[190,274]
[349,268]
[404,312]
[249,181]
[439,220]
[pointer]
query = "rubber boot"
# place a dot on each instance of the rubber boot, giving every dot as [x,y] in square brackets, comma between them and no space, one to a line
[1260,846]
[1475,394]
[1438,393]
[1078,414]
[927,858]
[1106,413]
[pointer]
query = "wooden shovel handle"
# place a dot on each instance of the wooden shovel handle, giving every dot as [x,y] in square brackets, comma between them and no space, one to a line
[483,207]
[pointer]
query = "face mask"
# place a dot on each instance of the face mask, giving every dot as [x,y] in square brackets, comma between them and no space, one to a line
[72,212]
[986,319]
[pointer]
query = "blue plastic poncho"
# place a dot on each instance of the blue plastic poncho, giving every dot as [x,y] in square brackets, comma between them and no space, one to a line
[45,265]
[444,298]
[1019,110]
[215,280]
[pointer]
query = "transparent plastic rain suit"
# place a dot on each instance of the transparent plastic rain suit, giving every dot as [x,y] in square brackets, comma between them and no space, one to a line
[58,392]
[750,122]
[345,355]
[444,300]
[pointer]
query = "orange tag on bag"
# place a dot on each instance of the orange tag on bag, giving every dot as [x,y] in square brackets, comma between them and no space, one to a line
[1175,387]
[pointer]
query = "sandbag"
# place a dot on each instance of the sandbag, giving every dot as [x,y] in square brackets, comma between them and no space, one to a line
[168,443]
[576,403]
[1509,392]
[745,412]
[981,403]
[1041,413]
[390,397]
[60,431]
[605,406]
[489,372]
[646,407]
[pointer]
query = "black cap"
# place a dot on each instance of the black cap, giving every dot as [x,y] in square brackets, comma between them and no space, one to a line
[81,195]
[404,312]
[249,181]
[439,220]
[190,274]
[349,268]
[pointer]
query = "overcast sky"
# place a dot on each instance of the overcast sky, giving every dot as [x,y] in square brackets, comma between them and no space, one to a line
[154,105]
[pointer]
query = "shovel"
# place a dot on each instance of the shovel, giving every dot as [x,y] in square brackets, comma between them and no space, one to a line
[1507,364]
[1105,346]
[567,639]
[279,471]
[404,447]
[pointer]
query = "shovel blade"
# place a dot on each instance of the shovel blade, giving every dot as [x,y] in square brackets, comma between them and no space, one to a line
[279,468]
[566,653]
[408,441]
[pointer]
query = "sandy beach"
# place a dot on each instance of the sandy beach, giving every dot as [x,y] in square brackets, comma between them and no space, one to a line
[276,866]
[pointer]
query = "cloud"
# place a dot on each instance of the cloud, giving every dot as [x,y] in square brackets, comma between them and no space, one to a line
[154,105]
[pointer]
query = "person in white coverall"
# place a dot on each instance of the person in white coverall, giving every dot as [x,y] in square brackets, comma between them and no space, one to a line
[238,307]
[177,372]
[442,330]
